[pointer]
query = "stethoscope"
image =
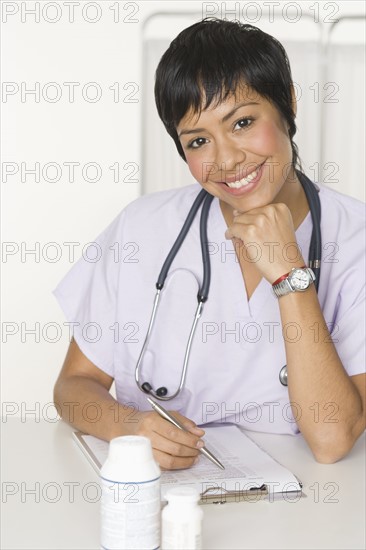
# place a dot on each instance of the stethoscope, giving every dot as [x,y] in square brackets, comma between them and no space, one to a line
[315,250]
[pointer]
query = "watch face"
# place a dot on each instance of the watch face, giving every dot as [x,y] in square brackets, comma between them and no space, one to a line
[299,279]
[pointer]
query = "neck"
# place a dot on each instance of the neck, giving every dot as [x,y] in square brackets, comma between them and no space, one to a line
[293,195]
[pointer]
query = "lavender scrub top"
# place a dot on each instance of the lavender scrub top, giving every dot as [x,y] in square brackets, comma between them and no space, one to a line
[238,349]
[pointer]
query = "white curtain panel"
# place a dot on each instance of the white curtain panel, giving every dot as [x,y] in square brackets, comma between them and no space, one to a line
[343,154]
[162,167]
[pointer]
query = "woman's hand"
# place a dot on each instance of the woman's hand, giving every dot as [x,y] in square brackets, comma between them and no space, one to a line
[173,448]
[266,238]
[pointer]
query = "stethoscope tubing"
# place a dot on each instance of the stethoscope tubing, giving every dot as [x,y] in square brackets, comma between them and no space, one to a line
[202,295]
[315,249]
[315,252]
[180,239]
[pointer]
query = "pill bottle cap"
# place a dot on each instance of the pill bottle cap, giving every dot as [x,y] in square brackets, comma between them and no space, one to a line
[182,495]
[130,450]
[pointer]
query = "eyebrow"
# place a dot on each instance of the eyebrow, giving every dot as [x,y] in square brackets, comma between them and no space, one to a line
[224,119]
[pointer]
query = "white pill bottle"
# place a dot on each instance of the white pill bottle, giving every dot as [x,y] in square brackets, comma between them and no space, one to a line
[130,504]
[182,520]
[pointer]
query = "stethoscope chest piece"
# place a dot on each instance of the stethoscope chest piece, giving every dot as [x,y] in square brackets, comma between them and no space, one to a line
[283,376]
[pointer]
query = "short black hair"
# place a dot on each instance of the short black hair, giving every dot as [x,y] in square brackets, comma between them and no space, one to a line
[217,56]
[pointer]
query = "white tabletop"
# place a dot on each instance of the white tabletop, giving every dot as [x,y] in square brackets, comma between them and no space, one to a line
[50,497]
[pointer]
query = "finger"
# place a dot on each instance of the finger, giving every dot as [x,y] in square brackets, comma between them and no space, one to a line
[169,431]
[196,430]
[235,231]
[188,424]
[153,423]
[172,447]
[170,462]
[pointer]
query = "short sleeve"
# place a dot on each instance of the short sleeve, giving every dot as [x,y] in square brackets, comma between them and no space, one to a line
[348,335]
[88,296]
[342,279]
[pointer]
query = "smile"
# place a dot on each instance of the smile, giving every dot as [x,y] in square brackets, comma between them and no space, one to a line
[244,181]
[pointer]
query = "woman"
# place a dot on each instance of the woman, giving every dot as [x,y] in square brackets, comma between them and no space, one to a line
[224,93]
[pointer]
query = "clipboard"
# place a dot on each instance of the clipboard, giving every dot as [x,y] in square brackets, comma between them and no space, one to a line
[231,438]
[88,451]
[249,495]
[223,496]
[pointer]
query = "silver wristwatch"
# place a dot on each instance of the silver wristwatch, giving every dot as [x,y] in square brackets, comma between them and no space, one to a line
[298,280]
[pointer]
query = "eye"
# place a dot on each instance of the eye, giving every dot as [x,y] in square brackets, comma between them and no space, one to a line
[244,122]
[196,143]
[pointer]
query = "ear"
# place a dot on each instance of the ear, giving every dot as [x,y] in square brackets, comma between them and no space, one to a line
[293,100]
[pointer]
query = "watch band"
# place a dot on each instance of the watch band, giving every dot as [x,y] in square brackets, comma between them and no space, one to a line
[283,277]
[282,285]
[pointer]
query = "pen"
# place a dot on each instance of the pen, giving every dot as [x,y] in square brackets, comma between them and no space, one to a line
[164,414]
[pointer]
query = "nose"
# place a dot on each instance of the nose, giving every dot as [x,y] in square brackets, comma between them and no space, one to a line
[229,157]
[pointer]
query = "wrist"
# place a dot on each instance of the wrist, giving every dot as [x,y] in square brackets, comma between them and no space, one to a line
[299,279]
[127,420]
[283,277]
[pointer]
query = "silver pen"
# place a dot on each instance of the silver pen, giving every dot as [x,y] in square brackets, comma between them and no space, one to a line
[164,414]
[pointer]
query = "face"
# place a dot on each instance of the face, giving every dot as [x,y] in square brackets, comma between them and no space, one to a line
[239,151]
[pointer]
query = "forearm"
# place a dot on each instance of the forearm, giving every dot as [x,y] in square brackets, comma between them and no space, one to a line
[325,402]
[89,407]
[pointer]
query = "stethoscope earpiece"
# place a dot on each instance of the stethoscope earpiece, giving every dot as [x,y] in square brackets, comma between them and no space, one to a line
[146,387]
[160,392]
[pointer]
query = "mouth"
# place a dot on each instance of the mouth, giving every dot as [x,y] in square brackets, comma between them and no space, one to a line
[238,184]
[244,184]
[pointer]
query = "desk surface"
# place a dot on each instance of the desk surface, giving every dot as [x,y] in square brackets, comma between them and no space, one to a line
[50,497]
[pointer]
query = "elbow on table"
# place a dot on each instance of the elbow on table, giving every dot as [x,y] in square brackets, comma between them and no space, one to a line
[58,401]
[56,391]
[327,457]
[331,451]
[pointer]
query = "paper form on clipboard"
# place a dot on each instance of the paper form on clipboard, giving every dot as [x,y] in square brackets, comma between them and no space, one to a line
[250,473]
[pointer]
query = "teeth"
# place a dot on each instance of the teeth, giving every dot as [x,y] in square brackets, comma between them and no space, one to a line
[241,183]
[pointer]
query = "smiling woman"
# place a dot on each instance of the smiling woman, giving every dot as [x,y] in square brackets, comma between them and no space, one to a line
[225,95]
